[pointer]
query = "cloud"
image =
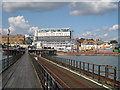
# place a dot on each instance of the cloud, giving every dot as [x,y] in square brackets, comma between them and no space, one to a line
[92,8]
[17,24]
[105,35]
[58,0]
[108,28]
[113,28]
[32,6]
[32,29]
[76,8]
[93,35]
[88,34]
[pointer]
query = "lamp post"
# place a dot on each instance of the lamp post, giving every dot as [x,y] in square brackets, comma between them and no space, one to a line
[8,47]
[8,38]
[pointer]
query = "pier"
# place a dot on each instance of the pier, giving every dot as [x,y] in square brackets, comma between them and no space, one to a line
[41,69]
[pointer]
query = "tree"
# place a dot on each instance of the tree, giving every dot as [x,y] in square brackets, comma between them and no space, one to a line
[113,41]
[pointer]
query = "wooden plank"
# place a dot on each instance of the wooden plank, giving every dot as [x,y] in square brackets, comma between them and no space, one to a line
[21,75]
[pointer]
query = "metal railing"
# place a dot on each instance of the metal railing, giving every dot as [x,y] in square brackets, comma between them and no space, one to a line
[47,80]
[104,74]
[7,62]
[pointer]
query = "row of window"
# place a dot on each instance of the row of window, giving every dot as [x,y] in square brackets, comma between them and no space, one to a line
[59,45]
[59,30]
[12,37]
[57,42]
[55,34]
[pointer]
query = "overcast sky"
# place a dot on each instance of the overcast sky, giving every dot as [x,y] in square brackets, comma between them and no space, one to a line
[87,19]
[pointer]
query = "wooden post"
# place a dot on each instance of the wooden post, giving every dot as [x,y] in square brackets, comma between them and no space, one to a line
[47,79]
[73,63]
[115,76]
[106,72]
[80,66]
[69,63]
[93,70]
[88,67]
[83,65]
[98,72]
[65,62]
[76,65]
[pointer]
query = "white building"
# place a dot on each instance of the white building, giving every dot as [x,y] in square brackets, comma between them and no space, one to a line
[58,38]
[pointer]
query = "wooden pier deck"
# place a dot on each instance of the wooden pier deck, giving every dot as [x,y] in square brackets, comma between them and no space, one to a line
[21,75]
[33,71]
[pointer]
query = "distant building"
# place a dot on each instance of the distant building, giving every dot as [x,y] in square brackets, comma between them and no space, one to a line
[13,39]
[58,38]
[93,44]
[53,34]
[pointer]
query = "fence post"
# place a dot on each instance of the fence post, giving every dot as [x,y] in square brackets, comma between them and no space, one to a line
[93,70]
[88,67]
[106,73]
[115,76]
[80,66]
[65,63]
[73,64]
[98,72]
[76,65]
[69,63]
[7,60]
[83,65]
[47,80]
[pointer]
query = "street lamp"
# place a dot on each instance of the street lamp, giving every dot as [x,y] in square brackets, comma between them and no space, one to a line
[8,38]
[8,47]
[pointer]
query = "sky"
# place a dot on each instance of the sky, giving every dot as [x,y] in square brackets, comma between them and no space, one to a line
[90,19]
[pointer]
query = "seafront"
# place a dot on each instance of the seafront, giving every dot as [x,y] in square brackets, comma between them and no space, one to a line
[88,54]
[60,45]
[43,69]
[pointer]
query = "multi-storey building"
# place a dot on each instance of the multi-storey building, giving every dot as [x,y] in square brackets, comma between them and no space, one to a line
[13,39]
[58,38]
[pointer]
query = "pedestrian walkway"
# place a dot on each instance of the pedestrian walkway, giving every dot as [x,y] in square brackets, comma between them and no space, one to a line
[21,74]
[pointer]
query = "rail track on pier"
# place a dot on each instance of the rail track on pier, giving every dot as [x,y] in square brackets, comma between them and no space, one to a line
[66,78]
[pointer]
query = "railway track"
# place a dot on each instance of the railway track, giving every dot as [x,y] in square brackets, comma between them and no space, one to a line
[66,78]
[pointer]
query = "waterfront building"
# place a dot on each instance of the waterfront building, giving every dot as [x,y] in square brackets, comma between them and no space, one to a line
[13,39]
[60,39]
[90,44]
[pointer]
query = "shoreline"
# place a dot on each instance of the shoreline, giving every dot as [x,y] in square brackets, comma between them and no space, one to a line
[88,54]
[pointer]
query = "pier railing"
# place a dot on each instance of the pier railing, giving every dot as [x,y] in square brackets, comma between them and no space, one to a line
[104,74]
[45,77]
[7,62]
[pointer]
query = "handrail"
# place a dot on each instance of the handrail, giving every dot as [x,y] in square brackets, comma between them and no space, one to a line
[7,62]
[43,75]
[107,73]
